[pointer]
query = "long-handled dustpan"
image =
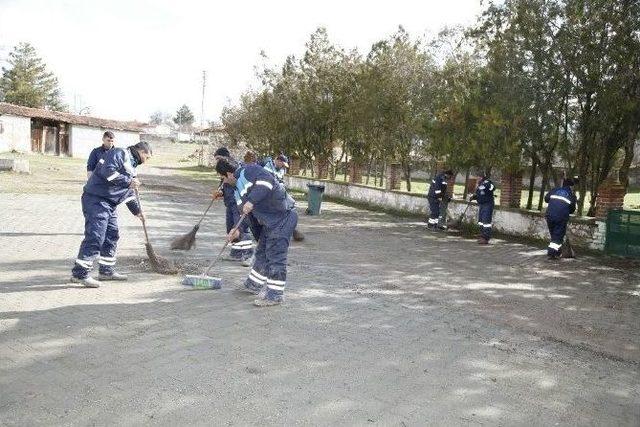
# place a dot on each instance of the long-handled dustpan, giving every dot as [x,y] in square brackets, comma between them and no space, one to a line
[203,281]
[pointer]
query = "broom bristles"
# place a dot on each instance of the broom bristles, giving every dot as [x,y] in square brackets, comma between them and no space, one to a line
[185,242]
[159,264]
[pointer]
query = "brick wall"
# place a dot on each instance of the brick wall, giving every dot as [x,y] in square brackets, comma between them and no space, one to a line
[322,168]
[610,196]
[294,165]
[393,176]
[355,172]
[511,189]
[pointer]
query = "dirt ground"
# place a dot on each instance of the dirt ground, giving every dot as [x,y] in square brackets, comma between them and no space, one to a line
[384,323]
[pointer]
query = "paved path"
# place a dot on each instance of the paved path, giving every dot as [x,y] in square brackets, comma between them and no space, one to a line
[384,324]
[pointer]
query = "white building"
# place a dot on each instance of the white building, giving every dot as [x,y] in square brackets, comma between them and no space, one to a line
[56,133]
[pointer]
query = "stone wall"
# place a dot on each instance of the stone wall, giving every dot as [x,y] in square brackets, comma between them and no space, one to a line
[585,232]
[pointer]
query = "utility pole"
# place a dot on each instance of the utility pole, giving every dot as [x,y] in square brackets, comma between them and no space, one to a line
[204,84]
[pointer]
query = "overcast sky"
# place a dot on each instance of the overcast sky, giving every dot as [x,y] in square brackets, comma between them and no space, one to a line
[128,58]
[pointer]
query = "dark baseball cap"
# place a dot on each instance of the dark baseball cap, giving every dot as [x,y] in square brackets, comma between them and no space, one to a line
[283,159]
[222,151]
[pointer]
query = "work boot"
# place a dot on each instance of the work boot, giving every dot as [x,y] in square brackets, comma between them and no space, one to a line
[248,262]
[443,228]
[266,302]
[249,286]
[88,282]
[113,277]
[268,297]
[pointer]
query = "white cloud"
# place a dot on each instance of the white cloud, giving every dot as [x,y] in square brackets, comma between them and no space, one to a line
[128,58]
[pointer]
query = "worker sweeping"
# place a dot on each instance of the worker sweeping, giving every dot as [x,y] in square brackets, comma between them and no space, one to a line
[242,246]
[273,217]
[484,196]
[112,182]
[437,197]
[278,168]
[562,203]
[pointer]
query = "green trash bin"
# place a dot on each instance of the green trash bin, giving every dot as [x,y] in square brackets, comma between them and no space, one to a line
[314,198]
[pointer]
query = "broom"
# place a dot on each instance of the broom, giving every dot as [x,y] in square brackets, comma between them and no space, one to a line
[458,222]
[187,241]
[159,264]
[204,281]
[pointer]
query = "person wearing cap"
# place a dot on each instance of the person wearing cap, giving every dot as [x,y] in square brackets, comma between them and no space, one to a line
[97,153]
[242,247]
[277,167]
[273,217]
[112,182]
[561,204]
[437,196]
[484,196]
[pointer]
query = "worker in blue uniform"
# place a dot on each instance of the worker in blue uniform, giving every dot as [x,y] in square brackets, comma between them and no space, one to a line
[561,204]
[437,198]
[112,182]
[278,168]
[96,154]
[484,196]
[273,217]
[242,247]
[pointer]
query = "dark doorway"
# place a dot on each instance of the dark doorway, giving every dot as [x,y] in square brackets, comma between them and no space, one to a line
[49,137]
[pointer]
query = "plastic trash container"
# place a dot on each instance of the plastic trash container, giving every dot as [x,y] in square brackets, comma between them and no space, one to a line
[314,198]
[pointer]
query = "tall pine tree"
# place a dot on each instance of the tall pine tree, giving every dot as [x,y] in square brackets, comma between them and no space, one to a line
[26,81]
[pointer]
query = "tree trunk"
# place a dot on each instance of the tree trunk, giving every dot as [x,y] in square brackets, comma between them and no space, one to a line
[369,169]
[626,163]
[384,170]
[466,179]
[407,174]
[375,173]
[543,185]
[532,182]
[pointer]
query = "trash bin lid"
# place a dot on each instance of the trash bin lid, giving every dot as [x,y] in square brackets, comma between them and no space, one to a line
[316,187]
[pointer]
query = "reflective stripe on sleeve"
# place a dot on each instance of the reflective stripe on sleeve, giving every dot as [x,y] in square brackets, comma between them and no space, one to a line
[564,199]
[265,184]
[113,176]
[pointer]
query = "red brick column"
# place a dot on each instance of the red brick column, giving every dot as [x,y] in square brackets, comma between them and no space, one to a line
[393,176]
[322,168]
[355,172]
[294,165]
[510,189]
[471,184]
[610,196]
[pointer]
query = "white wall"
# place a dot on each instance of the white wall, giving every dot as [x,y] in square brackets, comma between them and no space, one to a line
[83,139]
[518,222]
[16,133]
